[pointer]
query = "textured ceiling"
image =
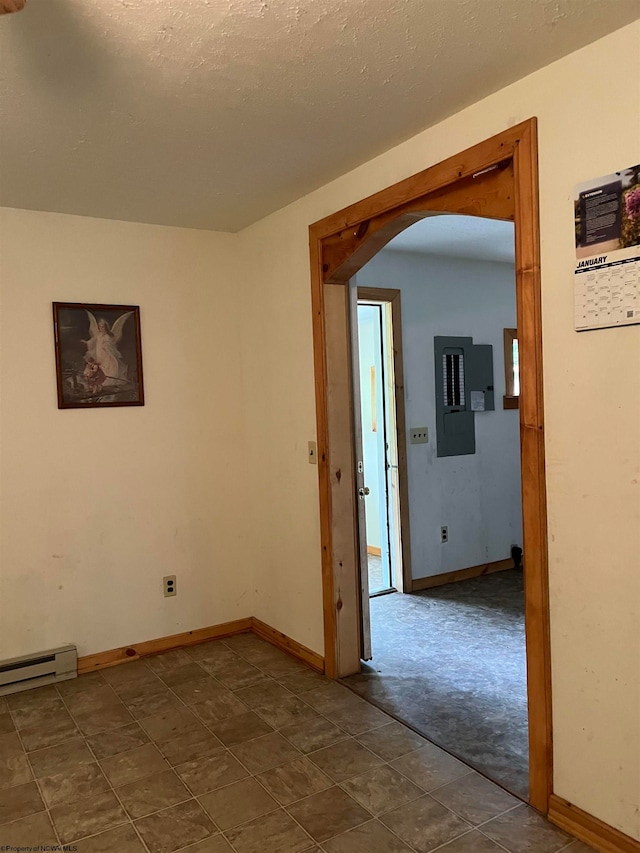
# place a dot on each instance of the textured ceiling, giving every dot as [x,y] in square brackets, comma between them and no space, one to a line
[213,113]
[468,237]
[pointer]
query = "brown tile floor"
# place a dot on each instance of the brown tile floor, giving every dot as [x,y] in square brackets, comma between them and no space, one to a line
[235,746]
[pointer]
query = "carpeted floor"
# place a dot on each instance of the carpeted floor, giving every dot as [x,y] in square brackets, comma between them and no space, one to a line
[451,663]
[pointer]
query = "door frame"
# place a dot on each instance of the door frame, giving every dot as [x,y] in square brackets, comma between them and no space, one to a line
[500,173]
[391,296]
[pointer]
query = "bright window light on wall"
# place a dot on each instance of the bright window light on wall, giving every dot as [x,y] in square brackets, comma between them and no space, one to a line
[511,369]
[516,367]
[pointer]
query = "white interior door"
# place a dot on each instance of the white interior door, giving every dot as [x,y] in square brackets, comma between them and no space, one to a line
[373,408]
[365,620]
[391,444]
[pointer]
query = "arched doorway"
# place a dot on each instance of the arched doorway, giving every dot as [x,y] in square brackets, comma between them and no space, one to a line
[496,178]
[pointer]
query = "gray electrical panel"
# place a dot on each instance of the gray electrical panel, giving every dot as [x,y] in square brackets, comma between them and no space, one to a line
[464,387]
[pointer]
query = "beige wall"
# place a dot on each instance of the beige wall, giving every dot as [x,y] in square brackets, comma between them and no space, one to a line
[210,479]
[588,126]
[98,505]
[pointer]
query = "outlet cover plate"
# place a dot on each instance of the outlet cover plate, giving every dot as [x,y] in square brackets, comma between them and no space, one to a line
[419,435]
[169,585]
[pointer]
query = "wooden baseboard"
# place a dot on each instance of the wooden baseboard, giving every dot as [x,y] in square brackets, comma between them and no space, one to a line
[276,638]
[125,654]
[461,575]
[589,829]
[375,552]
[113,657]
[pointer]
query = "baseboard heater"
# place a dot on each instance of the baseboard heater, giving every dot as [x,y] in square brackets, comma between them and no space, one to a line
[36,670]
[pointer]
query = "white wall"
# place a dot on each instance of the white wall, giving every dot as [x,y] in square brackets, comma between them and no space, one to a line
[476,496]
[587,105]
[98,505]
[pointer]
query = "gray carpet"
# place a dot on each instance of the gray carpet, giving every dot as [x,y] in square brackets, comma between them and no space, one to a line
[451,663]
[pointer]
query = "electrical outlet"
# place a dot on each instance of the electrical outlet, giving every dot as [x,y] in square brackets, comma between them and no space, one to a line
[419,435]
[444,534]
[169,584]
[312,453]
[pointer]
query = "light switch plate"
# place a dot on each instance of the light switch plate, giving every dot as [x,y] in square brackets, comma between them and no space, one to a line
[419,435]
[312,453]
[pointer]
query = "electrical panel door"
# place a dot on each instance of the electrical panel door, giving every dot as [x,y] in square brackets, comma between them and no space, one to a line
[464,387]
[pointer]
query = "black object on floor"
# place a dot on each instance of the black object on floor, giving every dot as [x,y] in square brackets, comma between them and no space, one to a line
[451,662]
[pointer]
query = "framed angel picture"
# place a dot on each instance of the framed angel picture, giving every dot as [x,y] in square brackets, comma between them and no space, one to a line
[98,355]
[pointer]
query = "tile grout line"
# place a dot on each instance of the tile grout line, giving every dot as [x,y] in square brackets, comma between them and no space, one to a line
[500,843]
[411,727]
[137,721]
[470,771]
[224,746]
[171,768]
[429,793]
[451,840]
[193,796]
[426,793]
[349,736]
[274,680]
[108,781]
[36,780]
[484,822]
[140,722]
[267,678]
[255,776]
[283,807]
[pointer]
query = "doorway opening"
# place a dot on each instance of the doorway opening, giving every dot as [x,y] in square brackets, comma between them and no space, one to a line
[497,179]
[449,657]
[375,374]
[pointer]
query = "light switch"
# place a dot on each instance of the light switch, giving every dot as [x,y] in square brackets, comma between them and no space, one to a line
[419,435]
[312,453]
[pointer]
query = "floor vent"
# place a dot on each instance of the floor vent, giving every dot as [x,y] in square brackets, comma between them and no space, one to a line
[35,670]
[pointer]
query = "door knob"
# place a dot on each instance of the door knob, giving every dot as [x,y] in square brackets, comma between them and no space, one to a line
[363,492]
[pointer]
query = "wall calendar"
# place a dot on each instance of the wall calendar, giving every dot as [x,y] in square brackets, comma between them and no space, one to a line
[607,270]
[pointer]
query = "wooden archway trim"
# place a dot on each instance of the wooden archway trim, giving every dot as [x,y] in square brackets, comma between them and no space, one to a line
[339,245]
[348,250]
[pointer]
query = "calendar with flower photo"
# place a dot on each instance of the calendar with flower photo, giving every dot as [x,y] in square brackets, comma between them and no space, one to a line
[607,270]
[98,355]
[607,213]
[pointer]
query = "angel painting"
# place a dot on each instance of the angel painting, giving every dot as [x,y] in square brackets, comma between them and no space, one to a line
[98,355]
[102,347]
